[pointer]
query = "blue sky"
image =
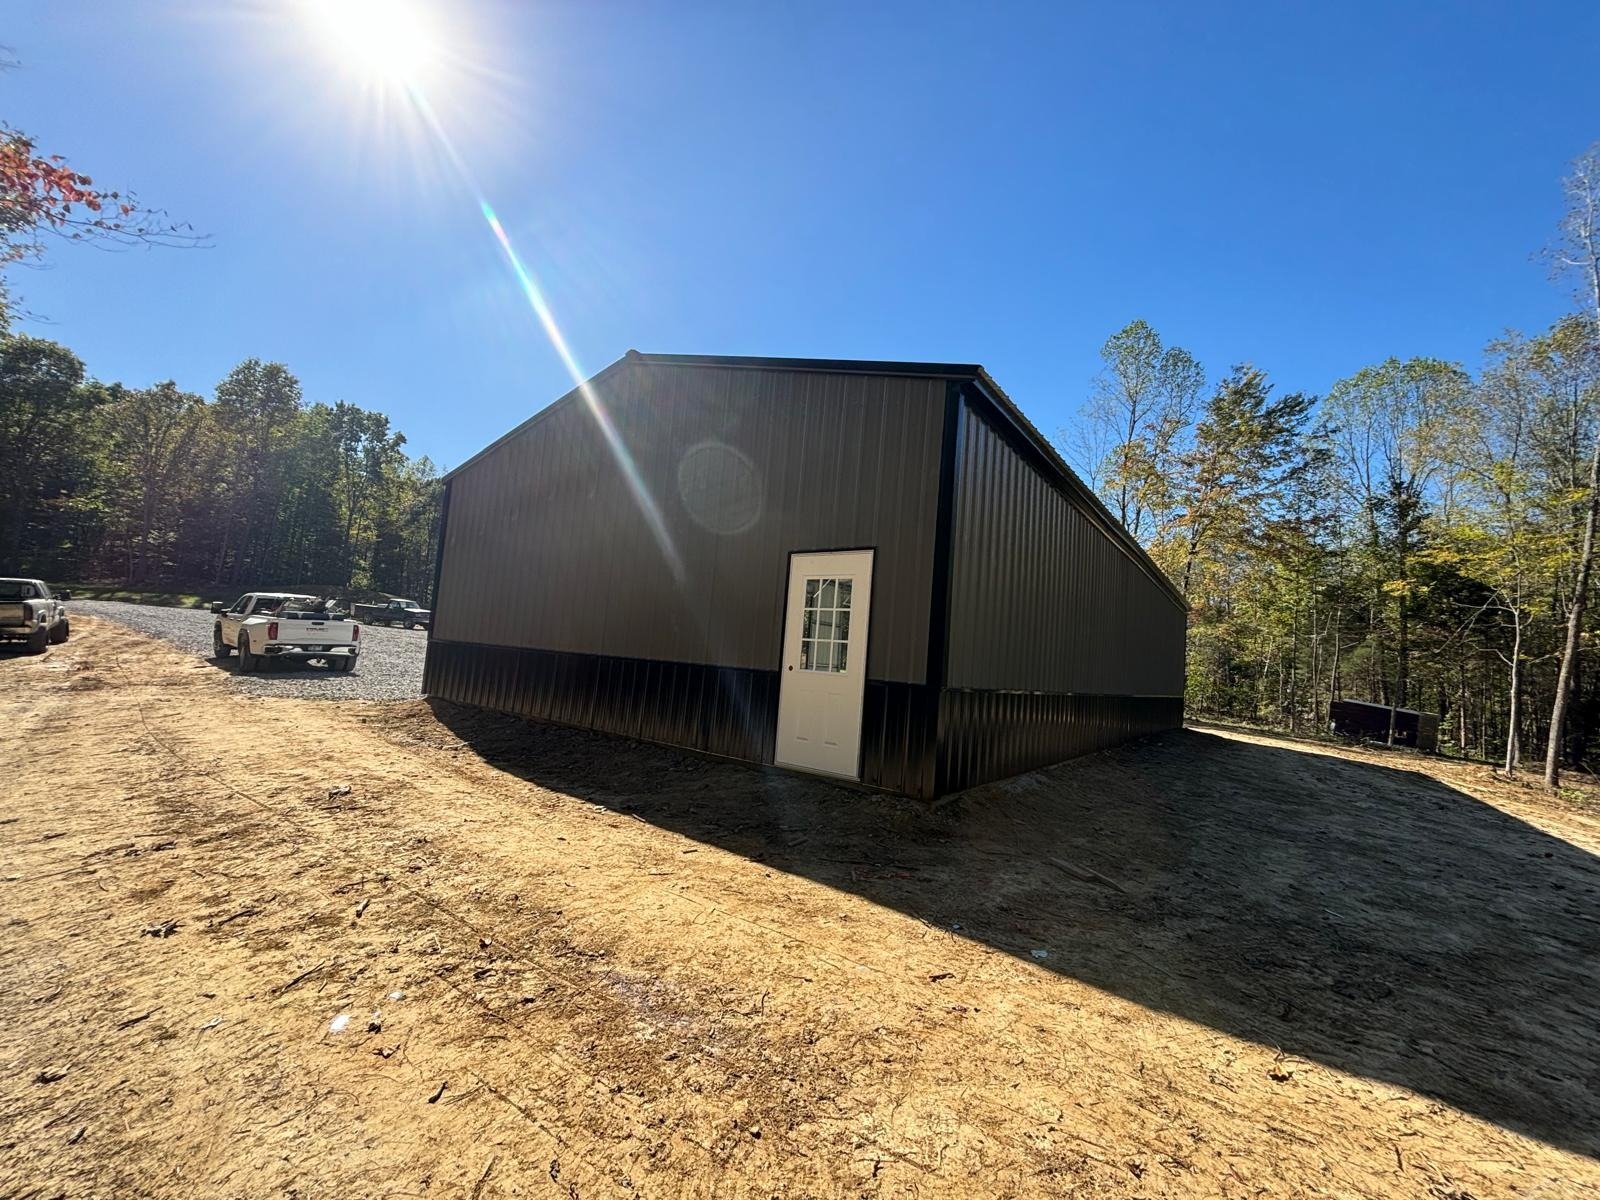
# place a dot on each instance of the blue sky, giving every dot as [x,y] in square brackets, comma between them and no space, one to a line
[1309,187]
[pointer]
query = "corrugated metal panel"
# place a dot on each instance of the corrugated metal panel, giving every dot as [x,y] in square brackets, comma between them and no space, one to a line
[728,711]
[719,710]
[899,738]
[993,735]
[549,547]
[1041,599]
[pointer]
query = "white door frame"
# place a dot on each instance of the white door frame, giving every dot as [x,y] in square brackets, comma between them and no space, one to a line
[821,714]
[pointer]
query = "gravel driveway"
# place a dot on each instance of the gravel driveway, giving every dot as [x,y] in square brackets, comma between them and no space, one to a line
[390,667]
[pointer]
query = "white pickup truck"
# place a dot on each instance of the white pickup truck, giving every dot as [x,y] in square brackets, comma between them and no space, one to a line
[30,612]
[281,625]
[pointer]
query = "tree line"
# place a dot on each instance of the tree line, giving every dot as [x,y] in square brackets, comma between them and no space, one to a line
[165,489]
[157,486]
[1421,536]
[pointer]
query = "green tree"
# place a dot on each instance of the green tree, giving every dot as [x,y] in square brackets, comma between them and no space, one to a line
[152,434]
[1142,408]
[1390,424]
[43,404]
[1500,534]
[1247,449]
[369,456]
[257,407]
[1579,253]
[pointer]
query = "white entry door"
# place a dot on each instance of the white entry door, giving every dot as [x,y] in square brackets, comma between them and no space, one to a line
[824,670]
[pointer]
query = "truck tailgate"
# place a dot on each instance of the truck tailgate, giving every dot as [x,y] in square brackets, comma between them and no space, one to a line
[294,632]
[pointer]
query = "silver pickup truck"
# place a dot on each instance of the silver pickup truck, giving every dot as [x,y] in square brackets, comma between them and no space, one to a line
[267,626]
[30,612]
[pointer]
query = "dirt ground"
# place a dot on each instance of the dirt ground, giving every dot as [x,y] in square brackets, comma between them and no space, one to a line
[259,947]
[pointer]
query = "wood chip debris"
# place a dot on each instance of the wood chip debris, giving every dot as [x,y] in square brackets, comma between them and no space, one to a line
[300,978]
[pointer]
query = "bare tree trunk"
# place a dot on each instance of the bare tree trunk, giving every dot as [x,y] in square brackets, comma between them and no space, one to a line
[1582,227]
[1483,721]
[1333,667]
[1514,706]
[1294,666]
[1401,656]
[1314,684]
[1580,600]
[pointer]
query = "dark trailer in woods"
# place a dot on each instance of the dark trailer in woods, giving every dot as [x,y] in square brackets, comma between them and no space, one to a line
[875,571]
[1364,721]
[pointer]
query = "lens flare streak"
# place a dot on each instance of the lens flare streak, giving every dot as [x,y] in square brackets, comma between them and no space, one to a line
[608,430]
[648,508]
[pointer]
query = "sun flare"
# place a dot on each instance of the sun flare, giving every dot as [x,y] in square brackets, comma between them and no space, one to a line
[387,40]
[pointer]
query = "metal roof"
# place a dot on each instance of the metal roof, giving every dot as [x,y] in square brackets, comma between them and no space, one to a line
[1376,707]
[1055,466]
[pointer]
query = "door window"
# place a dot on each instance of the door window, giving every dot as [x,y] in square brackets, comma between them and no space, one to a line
[825,625]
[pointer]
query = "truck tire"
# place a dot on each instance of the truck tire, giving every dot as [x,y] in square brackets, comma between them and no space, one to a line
[345,664]
[219,648]
[411,624]
[60,633]
[37,640]
[247,661]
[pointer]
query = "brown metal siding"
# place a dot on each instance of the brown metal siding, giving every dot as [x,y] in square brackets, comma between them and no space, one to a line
[717,710]
[727,711]
[993,735]
[547,546]
[1041,599]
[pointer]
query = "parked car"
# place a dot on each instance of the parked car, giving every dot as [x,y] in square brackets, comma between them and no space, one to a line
[395,612]
[30,612]
[266,626]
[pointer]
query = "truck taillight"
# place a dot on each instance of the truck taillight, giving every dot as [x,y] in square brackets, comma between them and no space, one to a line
[272,631]
[355,633]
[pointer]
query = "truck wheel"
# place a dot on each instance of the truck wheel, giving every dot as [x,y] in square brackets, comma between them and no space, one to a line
[345,664]
[37,640]
[59,633]
[247,661]
[411,625]
[219,648]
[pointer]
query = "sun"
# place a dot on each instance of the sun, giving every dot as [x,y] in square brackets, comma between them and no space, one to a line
[385,40]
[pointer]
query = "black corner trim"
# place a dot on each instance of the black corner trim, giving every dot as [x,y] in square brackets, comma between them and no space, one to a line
[438,560]
[943,538]
[939,594]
